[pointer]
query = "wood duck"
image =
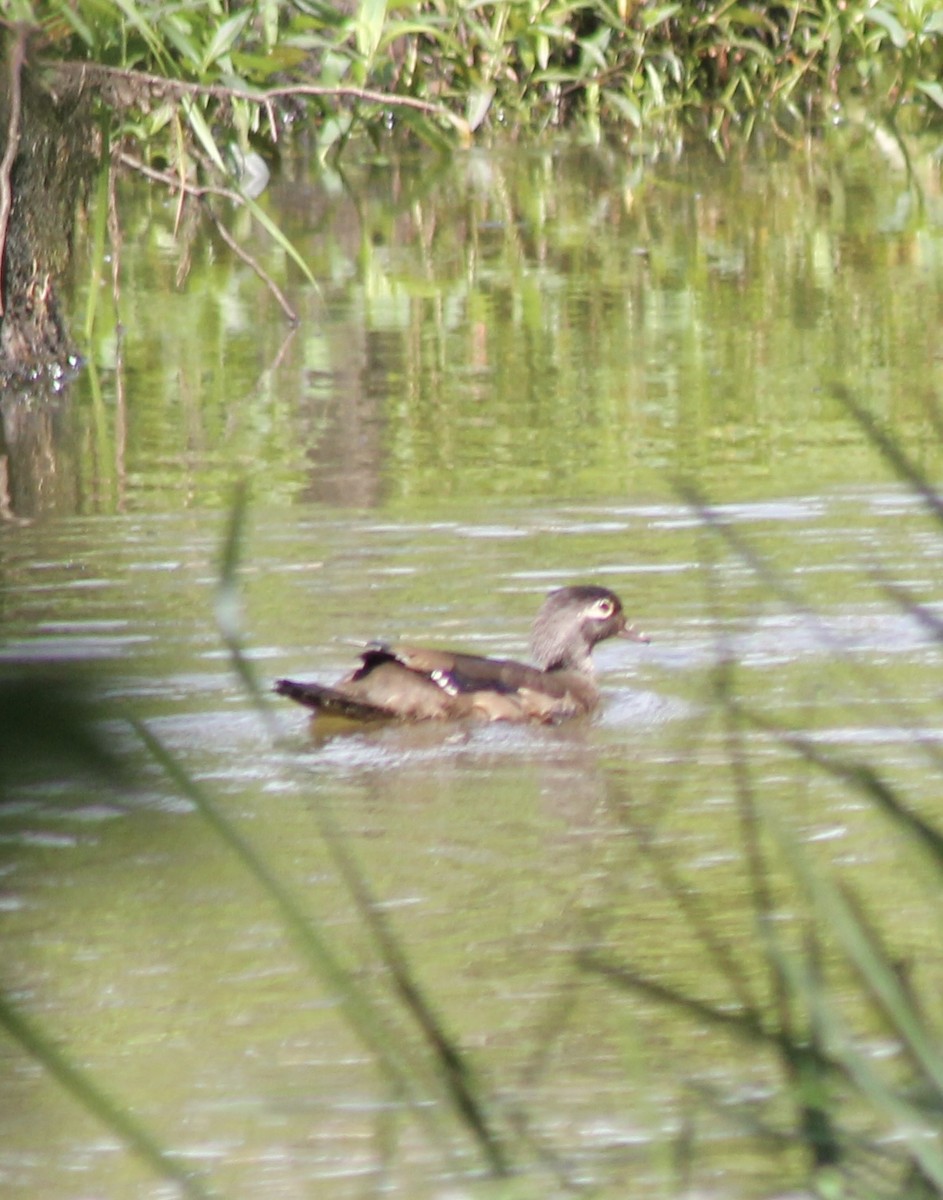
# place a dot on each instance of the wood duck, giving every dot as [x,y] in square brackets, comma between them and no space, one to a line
[416,684]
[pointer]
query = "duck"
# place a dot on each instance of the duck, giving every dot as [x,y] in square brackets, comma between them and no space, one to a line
[414,683]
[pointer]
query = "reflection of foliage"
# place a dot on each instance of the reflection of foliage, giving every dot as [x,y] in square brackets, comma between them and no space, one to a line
[451,334]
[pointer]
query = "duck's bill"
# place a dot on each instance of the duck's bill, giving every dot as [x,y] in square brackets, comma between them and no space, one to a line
[634,634]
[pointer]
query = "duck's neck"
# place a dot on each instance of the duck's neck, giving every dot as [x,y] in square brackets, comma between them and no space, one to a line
[563,658]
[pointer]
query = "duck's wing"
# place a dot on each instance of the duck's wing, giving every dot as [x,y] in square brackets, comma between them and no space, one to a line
[463,673]
[382,687]
[501,689]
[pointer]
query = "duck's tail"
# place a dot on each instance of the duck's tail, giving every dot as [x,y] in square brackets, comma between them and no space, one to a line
[320,698]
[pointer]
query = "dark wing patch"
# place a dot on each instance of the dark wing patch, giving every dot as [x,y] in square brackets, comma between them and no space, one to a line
[461,674]
[373,654]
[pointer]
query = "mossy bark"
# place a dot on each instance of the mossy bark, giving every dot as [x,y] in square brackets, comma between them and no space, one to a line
[45,149]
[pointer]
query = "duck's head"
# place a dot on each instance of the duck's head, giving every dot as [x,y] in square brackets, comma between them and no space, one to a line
[570,623]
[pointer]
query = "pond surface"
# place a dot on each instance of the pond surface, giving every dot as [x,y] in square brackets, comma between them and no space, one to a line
[508,366]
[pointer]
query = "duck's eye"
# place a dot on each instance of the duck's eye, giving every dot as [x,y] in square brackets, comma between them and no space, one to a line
[603,608]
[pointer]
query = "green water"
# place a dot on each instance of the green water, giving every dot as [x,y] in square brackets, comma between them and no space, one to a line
[508,366]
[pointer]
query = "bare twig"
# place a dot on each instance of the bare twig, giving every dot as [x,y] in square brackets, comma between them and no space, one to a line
[176,181]
[14,90]
[142,81]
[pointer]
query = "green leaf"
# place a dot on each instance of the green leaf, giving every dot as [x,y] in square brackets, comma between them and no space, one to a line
[657,16]
[177,34]
[932,89]
[134,17]
[543,50]
[224,37]
[261,67]
[479,101]
[158,118]
[748,17]
[269,13]
[202,132]
[416,29]
[899,36]
[626,106]
[426,128]
[913,1127]
[277,236]
[371,16]
[655,85]
[66,12]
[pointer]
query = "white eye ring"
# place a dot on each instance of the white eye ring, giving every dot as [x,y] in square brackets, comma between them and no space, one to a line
[603,608]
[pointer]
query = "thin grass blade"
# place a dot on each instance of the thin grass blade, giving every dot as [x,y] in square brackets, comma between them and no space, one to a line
[362,1015]
[110,1112]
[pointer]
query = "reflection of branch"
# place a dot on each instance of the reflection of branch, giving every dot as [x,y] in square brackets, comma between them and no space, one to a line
[14,84]
[251,262]
[114,236]
[6,507]
[121,398]
[201,192]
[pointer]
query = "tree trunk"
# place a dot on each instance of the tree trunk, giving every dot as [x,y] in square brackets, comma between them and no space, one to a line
[45,169]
